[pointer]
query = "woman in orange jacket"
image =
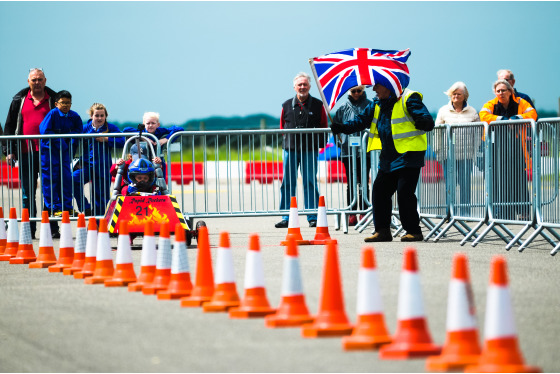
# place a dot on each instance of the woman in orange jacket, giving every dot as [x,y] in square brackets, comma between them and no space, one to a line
[511,152]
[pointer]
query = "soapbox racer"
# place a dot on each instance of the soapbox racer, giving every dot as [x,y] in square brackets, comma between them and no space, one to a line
[137,209]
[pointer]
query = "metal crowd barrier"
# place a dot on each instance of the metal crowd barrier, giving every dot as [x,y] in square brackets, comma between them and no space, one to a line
[242,173]
[90,178]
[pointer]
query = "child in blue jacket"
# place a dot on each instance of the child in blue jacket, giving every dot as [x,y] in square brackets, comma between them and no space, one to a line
[56,154]
[96,162]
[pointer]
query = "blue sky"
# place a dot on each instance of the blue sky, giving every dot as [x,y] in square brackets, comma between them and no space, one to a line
[190,60]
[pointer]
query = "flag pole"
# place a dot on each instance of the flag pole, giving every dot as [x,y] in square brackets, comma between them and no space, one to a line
[322,94]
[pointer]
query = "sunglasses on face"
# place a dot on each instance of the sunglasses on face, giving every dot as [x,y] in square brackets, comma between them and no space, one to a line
[357,90]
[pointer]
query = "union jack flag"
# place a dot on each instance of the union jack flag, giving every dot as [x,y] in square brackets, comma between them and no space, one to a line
[337,72]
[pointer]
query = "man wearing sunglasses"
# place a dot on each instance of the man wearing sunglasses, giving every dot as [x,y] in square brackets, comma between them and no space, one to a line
[28,109]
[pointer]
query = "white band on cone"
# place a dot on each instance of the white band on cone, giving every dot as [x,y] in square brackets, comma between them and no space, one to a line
[254,275]
[103,247]
[369,295]
[180,260]
[124,252]
[2,229]
[13,232]
[410,296]
[224,266]
[149,251]
[163,260]
[81,240]
[499,321]
[322,217]
[293,222]
[25,234]
[460,312]
[291,277]
[45,236]
[65,235]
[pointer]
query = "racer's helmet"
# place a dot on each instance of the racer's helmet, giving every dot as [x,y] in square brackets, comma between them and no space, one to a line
[142,167]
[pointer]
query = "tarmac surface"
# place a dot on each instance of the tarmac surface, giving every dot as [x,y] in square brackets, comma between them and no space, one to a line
[55,323]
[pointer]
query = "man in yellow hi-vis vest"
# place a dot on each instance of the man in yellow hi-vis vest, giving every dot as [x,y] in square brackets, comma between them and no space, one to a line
[398,123]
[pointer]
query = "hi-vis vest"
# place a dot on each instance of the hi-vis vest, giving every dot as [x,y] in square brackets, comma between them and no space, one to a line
[406,137]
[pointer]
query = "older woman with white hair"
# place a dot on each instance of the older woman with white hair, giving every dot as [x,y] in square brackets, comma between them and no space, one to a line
[457,111]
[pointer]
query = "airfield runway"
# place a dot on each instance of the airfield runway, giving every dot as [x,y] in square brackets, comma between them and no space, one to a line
[55,323]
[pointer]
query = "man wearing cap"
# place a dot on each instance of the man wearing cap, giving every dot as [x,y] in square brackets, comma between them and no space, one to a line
[28,109]
[398,124]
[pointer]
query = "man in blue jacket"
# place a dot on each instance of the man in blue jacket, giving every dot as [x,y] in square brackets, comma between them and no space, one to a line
[398,122]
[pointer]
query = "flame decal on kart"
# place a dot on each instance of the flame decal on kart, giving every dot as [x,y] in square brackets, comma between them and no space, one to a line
[153,215]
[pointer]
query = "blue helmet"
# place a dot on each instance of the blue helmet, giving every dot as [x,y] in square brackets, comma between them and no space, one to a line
[142,167]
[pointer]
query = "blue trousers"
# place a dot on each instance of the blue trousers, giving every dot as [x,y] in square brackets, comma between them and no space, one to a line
[56,178]
[29,173]
[100,187]
[307,161]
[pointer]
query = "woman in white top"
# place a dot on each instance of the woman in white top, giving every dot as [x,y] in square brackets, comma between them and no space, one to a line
[457,111]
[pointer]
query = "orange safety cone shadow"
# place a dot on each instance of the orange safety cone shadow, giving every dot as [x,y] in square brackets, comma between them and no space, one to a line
[3,235]
[162,276]
[292,310]
[254,303]
[461,346]
[124,271]
[203,289]
[12,237]
[322,231]
[104,267]
[370,331]
[293,225]
[66,251]
[180,284]
[412,338]
[84,239]
[25,253]
[331,319]
[46,256]
[501,353]
[148,260]
[225,292]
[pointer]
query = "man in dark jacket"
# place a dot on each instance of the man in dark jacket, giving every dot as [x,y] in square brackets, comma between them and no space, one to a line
[398,126]
[301,150]
[27,110]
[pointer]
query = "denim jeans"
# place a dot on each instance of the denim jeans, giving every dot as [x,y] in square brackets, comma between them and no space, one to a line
[307,161]
[29,167]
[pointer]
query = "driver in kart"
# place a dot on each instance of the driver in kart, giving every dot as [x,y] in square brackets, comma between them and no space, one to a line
[141,177]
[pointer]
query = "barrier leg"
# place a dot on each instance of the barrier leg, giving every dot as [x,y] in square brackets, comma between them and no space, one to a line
[471,233]
[530,239]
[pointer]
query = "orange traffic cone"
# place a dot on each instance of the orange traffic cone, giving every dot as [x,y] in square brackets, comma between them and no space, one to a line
[104,268]
[90,260]
[293,225]
[83,236]
[12,237]
[203,289]
[163,263]
[2,232]
[225,295]
[124,272]
[66,251]
[331,319]
[180,282]
[501,352]
[46,256]
[412,338]
[25,253]
[148,261]
[461,347]
[370,331]
[322,231]
[255,302]
[292,310]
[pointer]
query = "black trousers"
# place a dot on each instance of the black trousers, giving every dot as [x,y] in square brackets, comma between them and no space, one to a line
[403,181]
